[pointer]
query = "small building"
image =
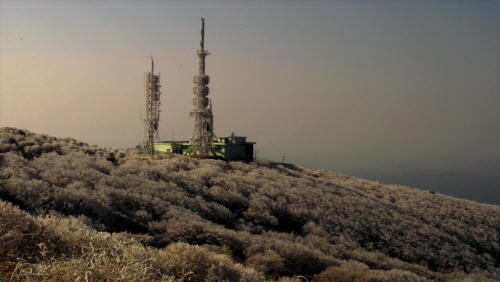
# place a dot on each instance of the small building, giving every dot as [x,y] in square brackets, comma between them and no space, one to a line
[174,147]
[230,148]
[234,148]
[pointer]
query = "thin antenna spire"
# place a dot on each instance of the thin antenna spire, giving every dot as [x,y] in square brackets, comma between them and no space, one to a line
[202,38]
[152,64]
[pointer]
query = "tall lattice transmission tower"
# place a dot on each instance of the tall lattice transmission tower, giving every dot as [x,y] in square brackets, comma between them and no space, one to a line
[152,116]
[203,135]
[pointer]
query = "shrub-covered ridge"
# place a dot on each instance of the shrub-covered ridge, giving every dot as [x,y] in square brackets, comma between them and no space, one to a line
[280,220]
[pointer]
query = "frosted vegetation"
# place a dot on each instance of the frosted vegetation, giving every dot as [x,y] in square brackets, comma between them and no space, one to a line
[86,213]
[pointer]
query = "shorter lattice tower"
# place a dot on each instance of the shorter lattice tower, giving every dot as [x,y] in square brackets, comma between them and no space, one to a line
[152,115]
[203,135]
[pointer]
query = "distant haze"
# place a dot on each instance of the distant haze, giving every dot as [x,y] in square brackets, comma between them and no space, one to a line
[327,84]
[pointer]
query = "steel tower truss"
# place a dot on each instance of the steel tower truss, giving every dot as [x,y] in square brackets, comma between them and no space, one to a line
[152,116]
[203,135]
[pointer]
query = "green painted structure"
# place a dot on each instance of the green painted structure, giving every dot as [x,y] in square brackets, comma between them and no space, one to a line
[229,148]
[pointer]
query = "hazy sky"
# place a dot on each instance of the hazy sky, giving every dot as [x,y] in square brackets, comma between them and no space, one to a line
[328,84]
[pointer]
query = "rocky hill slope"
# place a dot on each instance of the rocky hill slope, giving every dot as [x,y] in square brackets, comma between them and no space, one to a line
[112,214]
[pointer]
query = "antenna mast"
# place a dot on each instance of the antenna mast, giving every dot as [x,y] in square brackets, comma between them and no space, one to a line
[152,117]
[203,135]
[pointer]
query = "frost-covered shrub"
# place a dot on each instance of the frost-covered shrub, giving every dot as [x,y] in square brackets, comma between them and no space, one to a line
[268,262]
[280,218]
[194,263]
[349,272]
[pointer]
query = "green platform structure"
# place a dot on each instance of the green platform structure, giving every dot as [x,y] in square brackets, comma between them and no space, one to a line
[232,148]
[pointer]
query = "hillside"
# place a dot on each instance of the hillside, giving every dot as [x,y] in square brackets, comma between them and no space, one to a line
[116,215]
[479,188]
